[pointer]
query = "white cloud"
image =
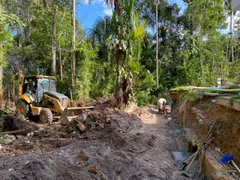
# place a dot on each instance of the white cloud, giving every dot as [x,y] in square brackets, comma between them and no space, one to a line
[93,2]
[85,1]
[102,3]
[181,4]
[108,11]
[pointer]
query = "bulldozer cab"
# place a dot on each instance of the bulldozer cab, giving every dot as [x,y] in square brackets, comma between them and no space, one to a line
[35,87]
[45,85]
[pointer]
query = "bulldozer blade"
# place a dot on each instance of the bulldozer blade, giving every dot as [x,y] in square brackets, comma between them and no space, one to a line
[63,118]
[71,113]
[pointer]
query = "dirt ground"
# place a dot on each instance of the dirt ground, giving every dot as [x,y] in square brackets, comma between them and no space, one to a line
[134,144]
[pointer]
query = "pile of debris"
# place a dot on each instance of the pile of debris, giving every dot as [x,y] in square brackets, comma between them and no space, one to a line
[89,121]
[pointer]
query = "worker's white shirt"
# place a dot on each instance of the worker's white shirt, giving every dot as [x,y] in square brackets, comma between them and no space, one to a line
[160,102]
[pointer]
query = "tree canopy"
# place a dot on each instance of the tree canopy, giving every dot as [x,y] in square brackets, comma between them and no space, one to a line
[118,54]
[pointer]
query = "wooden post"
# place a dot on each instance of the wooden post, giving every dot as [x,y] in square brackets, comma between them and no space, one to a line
[20,84]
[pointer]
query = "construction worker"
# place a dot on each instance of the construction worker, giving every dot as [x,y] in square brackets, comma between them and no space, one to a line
[161,105]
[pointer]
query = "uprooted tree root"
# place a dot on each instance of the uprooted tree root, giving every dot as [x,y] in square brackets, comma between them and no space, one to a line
[88,121]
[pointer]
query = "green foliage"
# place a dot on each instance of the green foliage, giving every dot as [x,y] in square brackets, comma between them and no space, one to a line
[234,97]
[192,51]
[215,91]
[7,21]
[85,56]
[233,87]
[104,78]
[3,138]
[143,84]
[190,96]
[182,88]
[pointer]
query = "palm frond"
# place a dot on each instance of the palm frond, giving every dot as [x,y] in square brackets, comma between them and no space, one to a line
[43,3]
[110,3]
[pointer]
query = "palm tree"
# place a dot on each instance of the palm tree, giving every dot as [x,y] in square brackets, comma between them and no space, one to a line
[118,91]
[127,35]
[43,3]
[100,31]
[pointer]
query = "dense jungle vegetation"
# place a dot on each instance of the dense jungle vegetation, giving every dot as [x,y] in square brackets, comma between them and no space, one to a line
[118,55]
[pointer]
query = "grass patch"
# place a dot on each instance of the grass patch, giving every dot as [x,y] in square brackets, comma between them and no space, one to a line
[190,96]
[233,87]
[215,91]
[234,97]
[182,88]
[3,138]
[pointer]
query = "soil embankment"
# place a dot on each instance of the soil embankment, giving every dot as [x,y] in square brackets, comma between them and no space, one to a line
[197,117]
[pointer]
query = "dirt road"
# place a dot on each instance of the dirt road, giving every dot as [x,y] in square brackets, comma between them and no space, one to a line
[135,145]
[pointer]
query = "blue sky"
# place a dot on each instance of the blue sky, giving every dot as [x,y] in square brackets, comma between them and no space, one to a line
[88,13]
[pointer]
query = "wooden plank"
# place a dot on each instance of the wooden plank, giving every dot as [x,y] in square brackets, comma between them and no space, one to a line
[84,107]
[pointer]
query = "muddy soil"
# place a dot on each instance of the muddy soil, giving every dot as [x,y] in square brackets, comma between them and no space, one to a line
[135,144]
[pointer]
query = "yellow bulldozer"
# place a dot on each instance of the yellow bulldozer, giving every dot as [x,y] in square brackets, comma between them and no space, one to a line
[38,96]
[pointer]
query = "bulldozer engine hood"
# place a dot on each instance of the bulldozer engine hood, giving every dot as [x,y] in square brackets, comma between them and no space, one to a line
[56,95]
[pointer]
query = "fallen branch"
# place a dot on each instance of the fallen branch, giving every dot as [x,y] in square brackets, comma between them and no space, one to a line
[21,131]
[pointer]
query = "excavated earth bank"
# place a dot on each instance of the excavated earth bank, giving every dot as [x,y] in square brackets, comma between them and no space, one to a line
[196,118]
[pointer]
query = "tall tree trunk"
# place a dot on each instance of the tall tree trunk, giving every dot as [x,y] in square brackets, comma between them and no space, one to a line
[54,30]
[73,67]
[8,95]
[13,90]
[119,90]
[63,63]
[118,93]
[201,40]
[1,76]
[157,44]
[27,29]
[231,34]
[1,85]
[60,50]
[60,63]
